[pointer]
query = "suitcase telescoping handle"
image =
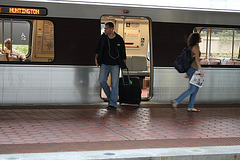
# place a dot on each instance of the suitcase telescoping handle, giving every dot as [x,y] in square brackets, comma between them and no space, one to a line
[129,81]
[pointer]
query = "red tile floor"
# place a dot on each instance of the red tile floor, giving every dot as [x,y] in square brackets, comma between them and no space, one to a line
[26,129]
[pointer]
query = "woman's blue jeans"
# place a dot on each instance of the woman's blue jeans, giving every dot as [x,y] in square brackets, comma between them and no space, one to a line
[192,91]
[112,94]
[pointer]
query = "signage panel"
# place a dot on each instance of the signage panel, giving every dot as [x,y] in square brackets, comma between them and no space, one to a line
[23,10]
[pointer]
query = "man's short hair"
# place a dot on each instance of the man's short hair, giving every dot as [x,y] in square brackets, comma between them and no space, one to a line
[110,24]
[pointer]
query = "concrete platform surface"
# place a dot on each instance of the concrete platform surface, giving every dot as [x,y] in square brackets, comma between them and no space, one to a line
[189,153]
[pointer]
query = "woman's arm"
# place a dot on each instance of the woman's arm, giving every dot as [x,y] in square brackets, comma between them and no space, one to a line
[196,50]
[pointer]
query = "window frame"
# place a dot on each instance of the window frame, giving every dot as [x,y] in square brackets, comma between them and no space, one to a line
[209,46]
[150,50]
[31,20]
[29,33]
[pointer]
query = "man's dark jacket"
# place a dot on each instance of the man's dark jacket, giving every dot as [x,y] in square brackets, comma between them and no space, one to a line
[120,47]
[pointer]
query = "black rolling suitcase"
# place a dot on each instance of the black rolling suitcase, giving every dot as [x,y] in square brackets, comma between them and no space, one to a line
[129,90]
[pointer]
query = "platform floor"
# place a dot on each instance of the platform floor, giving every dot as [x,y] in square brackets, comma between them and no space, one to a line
[64,128]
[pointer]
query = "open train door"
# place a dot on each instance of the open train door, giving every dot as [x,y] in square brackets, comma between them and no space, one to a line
[136,32]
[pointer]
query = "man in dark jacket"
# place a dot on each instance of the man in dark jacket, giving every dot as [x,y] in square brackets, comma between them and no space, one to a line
[110,56]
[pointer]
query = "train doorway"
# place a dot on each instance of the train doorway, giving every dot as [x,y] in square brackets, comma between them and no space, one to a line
[136,32]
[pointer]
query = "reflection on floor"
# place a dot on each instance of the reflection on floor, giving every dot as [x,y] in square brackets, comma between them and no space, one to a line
[145,93]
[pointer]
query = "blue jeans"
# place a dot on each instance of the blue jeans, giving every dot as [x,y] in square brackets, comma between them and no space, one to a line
[112,94]
[192,91]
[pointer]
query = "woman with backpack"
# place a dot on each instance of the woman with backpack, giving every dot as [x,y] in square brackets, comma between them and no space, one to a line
[193,43]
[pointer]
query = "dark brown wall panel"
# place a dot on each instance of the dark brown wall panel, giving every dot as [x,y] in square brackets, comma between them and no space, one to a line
[76,40]
[168,41]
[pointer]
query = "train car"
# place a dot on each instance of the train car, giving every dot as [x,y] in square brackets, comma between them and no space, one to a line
[58,40]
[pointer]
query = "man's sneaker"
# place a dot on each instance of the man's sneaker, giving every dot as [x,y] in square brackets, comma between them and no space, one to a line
[111,107]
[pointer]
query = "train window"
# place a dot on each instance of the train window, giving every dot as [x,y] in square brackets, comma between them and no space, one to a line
[236,46]
[136,34]
[102,28]
[220,46]
[26,40]
[20,39]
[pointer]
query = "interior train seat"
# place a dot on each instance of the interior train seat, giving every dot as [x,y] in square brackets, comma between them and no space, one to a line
[2,57]
[129,62]
[230,63]
[137,66]
[139,63]
[214,62]
[204,62]
[136,63]
[237,63]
